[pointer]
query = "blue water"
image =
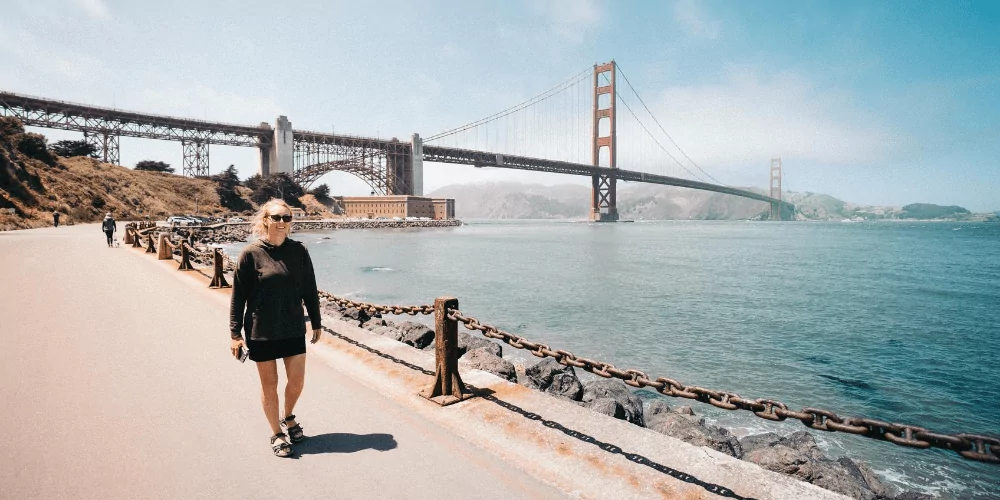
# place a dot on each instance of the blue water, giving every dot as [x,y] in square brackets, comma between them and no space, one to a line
[894,321]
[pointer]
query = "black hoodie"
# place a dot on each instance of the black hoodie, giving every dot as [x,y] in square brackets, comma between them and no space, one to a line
[269,286]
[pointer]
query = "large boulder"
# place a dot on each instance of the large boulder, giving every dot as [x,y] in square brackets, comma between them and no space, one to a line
[693,429]
[798,455]
[484,359]
[606,406]
[551,377]
[352,314]
[415,334]
[617,390]
[468,342]
[388,331]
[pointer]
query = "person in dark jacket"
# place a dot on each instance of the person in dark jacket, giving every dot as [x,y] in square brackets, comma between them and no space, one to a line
[109,226]
[55,218]
[273,278]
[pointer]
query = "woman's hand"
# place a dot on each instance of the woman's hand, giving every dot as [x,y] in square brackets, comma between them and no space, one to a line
[234,347]
[316,333]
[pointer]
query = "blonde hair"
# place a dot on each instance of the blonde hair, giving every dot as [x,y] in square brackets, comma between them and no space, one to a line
[258,224]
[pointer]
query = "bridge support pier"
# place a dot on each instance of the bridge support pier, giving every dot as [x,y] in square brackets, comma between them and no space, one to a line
[603,205]
[281,154]
[106,144]
[416,165]
[195,158]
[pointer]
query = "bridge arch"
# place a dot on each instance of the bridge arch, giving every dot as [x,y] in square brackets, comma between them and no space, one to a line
[369,173]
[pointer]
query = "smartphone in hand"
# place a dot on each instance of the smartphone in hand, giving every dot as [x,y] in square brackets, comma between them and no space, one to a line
[242,353]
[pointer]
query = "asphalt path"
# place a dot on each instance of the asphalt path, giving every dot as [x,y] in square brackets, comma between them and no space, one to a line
[116,382]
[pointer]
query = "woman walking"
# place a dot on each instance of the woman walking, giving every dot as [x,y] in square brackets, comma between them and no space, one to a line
[274,276]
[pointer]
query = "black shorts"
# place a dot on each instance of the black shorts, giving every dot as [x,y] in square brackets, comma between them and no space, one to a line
[268,350]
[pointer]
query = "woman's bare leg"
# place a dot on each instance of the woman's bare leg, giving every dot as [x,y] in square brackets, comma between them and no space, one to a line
[268,371]
[295,371]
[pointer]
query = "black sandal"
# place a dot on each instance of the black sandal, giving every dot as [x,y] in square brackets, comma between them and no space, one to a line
[281,449]
[295,431]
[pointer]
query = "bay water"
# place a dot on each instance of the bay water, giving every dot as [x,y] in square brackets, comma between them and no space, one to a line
[897,321]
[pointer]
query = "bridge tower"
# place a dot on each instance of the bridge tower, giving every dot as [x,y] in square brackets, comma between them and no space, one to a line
[106,144]
[776,188]
[603,204]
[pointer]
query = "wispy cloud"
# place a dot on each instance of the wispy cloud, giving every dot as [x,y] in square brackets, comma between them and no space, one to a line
[35,56]
[693,19]
[573,20]
[200,101]
[96,10]
[742,122]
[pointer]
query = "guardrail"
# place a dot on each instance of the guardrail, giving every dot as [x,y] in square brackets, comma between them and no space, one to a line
[448,387]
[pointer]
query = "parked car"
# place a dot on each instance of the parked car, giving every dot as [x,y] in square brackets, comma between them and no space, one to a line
[236,219]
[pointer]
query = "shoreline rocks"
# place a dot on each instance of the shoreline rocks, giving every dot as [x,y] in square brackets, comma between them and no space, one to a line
[796,454]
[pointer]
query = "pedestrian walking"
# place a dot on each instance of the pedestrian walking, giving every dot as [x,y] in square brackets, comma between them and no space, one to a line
[109,226]
[55,218]
[274,276]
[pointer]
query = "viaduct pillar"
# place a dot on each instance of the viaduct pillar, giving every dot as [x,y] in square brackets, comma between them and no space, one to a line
[603,203]
[280,156]
[416,165]
[775,188]
[106,144]
[195,158]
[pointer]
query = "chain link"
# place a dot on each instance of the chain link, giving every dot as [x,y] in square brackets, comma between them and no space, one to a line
[376,308]
[970,446]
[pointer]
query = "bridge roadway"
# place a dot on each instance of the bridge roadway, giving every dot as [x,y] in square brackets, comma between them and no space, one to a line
[116,383]
[487,159]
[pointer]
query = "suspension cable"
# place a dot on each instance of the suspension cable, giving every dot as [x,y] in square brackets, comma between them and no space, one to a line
[522,105]
[661,126]
[629,108]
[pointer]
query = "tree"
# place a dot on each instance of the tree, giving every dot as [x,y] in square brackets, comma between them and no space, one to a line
[35,146]
[154,166]
[226,183]
[321,192]
[68,149]
[275,186]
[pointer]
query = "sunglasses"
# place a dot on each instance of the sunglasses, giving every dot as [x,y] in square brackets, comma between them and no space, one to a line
[285,218]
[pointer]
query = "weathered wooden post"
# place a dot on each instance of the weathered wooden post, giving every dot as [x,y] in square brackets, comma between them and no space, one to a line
[185,259]
[219,279]
[136,239]
[448,387]
[150,248]
[165,249]
[128,234]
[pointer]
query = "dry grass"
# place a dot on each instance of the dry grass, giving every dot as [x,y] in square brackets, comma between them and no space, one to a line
[83,190]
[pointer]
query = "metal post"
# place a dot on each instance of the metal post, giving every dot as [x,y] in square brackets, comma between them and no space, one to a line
[448,387]
[166,253]
[219,279]
[150,248]
[185,259]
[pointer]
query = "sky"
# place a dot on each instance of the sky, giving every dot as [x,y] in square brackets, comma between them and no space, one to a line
[871,102]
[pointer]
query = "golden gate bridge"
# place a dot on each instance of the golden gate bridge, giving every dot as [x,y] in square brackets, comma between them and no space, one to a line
[587,125]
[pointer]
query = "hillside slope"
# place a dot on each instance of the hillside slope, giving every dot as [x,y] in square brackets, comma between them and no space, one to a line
[34,183]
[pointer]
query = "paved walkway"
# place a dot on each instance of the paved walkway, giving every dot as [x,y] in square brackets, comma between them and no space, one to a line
[116,382]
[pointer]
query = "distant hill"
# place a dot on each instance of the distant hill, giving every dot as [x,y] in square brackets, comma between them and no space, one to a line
[512,200]
[34,183]
[931,211]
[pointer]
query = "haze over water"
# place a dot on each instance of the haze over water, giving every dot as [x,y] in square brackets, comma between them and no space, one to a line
[893,321]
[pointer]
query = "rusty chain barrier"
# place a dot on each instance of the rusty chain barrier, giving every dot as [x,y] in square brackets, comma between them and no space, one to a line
[378,309]
[971,446]
[448,387]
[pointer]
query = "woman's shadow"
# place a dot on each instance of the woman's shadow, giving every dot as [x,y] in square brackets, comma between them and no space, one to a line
[345,442]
